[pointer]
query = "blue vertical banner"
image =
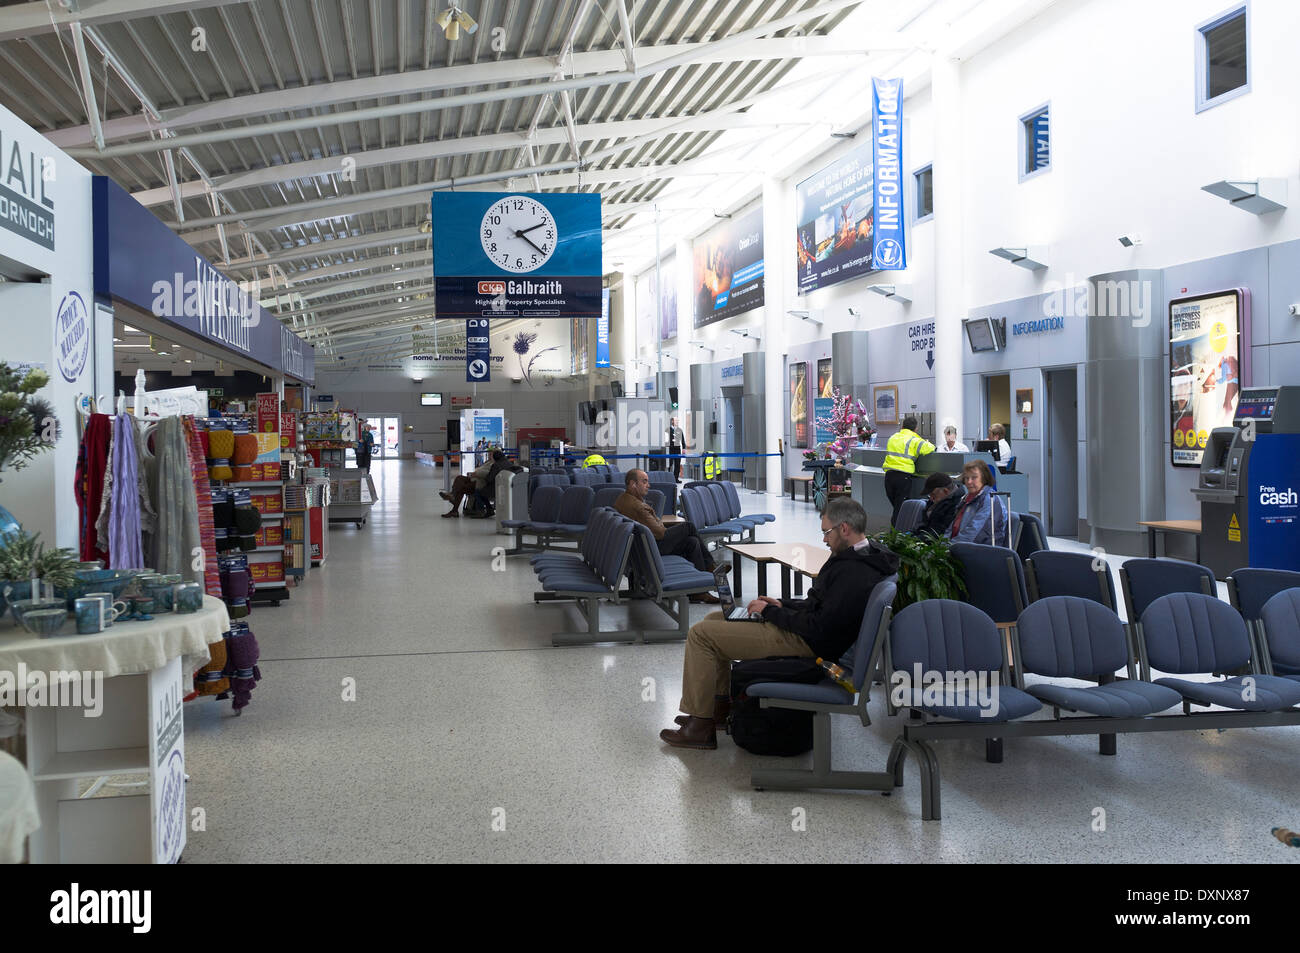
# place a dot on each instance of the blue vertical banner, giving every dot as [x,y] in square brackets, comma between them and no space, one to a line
[602,330]
[890,248]
[478,351]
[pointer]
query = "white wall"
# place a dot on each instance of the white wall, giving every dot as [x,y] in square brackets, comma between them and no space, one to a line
[41,495]
[1129,154]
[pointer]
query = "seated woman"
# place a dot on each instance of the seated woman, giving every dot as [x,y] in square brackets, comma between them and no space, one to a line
[944,497]
[981,516]
[999,433]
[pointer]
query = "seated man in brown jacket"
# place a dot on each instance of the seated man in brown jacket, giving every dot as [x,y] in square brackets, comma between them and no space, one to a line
[680,539]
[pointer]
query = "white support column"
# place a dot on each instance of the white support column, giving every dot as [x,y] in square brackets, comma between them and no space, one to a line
[684,283]
[949,275]
[778,279]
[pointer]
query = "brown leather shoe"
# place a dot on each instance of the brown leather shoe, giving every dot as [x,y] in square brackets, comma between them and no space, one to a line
[721,711]
[448,515]
[445,495]
[705,598]
[696,733]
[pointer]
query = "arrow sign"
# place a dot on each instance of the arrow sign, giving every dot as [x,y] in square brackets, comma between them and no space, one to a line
[929,360]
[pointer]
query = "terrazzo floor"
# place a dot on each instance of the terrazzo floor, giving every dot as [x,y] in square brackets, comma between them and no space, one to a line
[472,739]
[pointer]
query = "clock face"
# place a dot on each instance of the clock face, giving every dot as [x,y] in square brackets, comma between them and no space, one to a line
[519,234]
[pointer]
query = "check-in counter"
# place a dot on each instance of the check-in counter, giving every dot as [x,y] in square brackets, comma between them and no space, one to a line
[869,484]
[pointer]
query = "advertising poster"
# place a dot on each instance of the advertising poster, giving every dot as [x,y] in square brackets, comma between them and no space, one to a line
[537,352]
[835,222]
[799,405]
[824,386]
[728,269]
[822,407]
[1204,370]
[668,298]
[884,401]
[516,254]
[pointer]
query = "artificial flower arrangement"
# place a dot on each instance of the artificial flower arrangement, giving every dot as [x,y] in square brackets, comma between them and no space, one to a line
[27,422]
[849,424]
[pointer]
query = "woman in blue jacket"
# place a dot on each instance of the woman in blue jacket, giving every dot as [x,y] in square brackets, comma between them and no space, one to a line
[981,517]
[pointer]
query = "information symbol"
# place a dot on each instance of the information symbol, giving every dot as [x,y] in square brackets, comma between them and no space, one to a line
[477,369]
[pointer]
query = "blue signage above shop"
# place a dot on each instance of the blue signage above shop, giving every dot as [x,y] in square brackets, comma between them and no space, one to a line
[143,263]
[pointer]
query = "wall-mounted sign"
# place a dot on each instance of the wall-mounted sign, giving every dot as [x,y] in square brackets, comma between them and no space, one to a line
[884,401]
[835,222]
[1207,341]
[27,183]
[1039,326]
[516,255]
[71,337]
[728,269]
[462,402]
[733,370]
[324,398]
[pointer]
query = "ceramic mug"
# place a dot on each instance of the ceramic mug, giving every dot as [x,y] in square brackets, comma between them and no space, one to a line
[143,606]
[90,615]
[110,610]
[161,594]
[188,597]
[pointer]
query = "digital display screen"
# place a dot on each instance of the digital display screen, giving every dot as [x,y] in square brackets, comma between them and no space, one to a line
[1205,374]
[1258,404]
[980,333]
[431,400]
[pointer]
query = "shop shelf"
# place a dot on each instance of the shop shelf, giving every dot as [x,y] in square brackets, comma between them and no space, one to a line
[64,765]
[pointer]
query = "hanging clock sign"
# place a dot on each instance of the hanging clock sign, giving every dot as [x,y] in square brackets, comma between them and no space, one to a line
[507,254]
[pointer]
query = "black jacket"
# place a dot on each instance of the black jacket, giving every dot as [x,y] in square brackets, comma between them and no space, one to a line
[497,467]
[939,516]
[829,619]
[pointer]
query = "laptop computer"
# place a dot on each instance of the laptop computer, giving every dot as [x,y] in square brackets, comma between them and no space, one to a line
[730,611]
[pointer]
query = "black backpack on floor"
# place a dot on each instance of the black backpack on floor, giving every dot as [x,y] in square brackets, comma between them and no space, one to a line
[775,731]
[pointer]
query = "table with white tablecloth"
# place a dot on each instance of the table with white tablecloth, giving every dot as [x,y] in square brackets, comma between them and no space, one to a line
[123,718]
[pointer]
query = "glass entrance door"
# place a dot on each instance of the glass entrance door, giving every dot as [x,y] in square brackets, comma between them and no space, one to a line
[388,436]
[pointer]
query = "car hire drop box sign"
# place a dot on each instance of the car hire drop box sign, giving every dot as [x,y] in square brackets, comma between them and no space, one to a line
[498,254]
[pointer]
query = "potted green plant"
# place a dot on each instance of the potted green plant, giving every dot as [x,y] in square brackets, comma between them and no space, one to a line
[926,568]
[23,558]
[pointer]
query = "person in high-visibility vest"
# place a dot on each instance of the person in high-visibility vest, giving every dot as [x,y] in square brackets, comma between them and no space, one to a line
[712,466]
[595,460]
[901,454]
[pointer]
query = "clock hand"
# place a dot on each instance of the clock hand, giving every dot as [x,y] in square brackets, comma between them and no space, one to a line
[520,234]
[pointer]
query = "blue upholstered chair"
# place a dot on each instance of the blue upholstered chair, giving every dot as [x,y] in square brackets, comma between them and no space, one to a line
[1054,573]
[995,580]
[1279,630]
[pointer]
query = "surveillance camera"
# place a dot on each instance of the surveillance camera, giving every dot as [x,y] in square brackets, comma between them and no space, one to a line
[855,313]
[1128,241]
[516,380]
[1294,310]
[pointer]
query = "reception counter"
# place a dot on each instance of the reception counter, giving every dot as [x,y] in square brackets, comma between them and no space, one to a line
[869,484]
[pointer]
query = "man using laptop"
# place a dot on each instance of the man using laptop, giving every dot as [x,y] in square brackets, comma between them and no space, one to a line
[823,625]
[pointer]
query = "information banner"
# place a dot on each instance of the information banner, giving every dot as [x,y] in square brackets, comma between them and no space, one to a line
[478,351]
[1205,374]
[822,407]
[602,331]
[890,240]
[728,269]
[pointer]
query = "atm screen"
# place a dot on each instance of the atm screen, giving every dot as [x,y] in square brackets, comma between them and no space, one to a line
[1257,403]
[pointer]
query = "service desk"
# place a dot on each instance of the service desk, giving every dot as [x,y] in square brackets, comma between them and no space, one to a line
[137,727]
[869,484]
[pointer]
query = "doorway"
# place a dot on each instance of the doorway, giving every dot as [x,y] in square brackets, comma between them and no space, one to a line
[997,403]
[1061,452]
[733,418]
[388,436]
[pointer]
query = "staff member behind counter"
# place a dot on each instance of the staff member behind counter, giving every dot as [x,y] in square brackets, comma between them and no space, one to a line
[901,454]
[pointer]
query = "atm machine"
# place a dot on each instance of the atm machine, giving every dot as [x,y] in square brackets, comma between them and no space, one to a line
[1249,485]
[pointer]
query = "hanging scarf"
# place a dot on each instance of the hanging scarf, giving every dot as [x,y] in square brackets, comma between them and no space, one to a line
[92,462]
[177,503]
[124,517]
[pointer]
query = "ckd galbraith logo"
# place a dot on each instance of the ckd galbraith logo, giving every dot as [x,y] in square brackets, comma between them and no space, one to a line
[26,184]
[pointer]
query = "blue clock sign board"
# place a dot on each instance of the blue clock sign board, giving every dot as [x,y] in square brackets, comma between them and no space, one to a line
[515,254]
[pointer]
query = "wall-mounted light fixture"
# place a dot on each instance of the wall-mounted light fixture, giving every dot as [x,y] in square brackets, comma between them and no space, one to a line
[1128,241]
[900,293]
[1025,256]
[812,317]
[1258,196]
